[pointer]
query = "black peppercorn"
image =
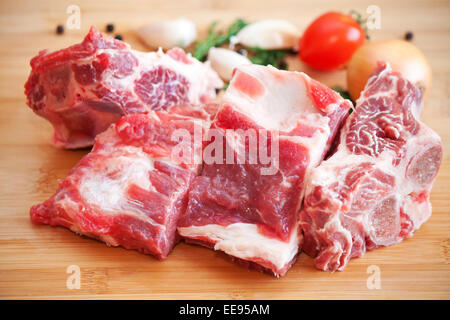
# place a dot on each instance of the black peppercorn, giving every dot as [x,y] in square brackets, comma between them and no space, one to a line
[282,65]
[118,37]
[242,52]
[109,27]
[60,29]
[409,36]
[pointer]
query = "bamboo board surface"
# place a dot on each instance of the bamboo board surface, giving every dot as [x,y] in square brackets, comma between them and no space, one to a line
[34,259]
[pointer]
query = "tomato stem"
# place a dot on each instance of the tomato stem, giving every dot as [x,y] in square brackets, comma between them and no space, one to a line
[361,21]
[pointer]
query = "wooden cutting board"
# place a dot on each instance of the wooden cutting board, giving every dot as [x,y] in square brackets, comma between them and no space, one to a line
[34,259]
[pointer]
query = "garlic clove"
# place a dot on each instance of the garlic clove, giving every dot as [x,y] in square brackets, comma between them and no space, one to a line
[269,34]
[176,33]
[224,61]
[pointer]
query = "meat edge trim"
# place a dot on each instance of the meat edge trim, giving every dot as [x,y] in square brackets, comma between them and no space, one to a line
[233,239]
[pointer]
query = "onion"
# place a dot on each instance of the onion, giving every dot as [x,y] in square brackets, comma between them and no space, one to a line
[403,57]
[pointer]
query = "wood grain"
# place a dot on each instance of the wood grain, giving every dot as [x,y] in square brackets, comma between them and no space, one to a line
[33,259]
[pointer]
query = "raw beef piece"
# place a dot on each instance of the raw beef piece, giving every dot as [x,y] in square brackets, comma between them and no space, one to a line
[82,89]
[247,209]
[374,191]
[130,189]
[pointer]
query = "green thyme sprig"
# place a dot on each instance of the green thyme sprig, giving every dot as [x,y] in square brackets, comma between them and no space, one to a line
[216,39]
[266,57]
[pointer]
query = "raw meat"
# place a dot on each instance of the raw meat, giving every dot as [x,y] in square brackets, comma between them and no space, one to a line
[247,209]
[131,188]
[374,191]
[82,89]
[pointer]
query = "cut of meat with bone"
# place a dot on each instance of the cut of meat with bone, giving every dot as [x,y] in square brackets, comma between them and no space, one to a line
[374,191]
[131,188]
[247,204]
[82,89]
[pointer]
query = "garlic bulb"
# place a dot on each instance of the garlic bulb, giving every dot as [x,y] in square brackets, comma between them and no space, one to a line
[269,34]
[176,33]
[223,61]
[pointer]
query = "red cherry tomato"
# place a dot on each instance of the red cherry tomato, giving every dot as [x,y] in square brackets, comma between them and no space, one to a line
[330,41]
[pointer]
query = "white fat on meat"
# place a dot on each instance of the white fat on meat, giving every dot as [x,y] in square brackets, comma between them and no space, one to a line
[274,109]
[107,188]
[239,239]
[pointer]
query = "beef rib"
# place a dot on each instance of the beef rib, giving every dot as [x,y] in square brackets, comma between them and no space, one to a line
[374,191]
[131,188]
[245,208]
[82,89]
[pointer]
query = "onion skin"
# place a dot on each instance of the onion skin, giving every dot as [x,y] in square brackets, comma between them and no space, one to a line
[403,57]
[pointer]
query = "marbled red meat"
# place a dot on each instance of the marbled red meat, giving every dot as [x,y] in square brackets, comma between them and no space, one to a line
[82,89]
[374,190]
[131,188]
[244,208]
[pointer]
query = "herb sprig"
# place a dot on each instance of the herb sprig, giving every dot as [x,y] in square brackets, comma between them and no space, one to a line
[344,93]
[256,55]
[215,39]
[265,57]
